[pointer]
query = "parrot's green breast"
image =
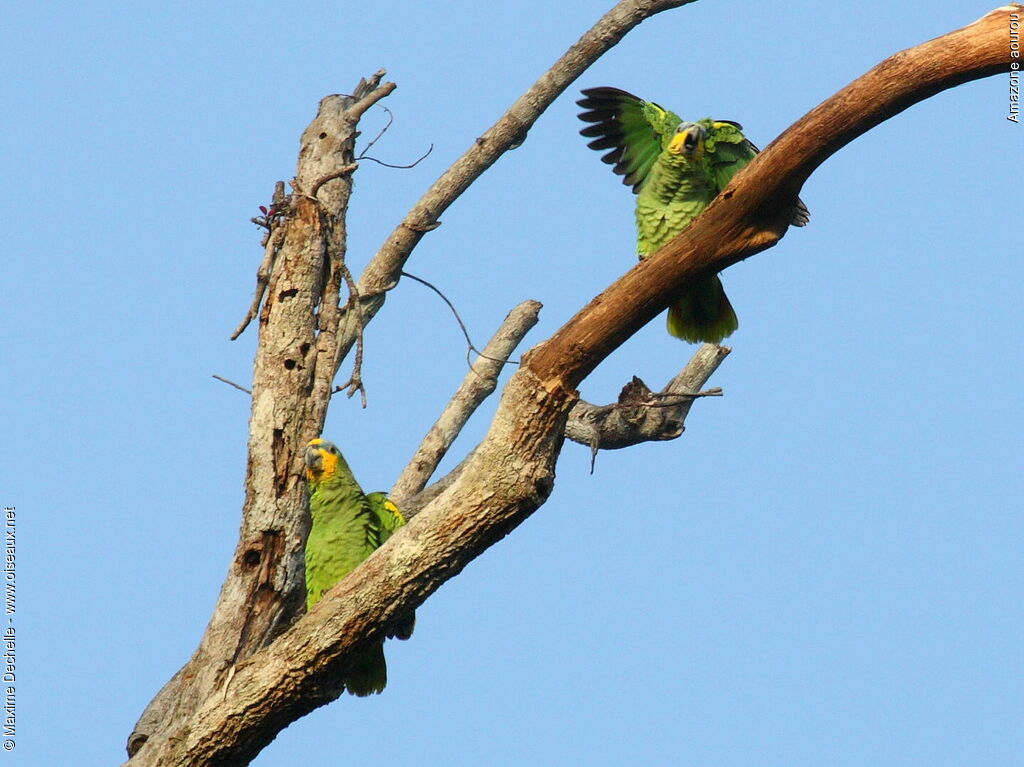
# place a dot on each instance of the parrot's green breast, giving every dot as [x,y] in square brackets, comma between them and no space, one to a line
[673,195]
[343,535]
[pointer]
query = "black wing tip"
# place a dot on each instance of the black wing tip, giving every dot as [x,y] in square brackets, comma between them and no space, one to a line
[613,157]
[604,97]
[603,106]
[606,91]
[607,141]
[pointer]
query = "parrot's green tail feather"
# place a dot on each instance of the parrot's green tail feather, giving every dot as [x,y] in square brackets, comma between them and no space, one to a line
[404,629]
[369,675]
[703,313]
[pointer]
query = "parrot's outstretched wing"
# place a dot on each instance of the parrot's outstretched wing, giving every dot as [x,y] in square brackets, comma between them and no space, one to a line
[729,150]
[633,129]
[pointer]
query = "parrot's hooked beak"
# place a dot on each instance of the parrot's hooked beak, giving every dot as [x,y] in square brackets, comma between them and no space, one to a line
[314,458]
[688,141]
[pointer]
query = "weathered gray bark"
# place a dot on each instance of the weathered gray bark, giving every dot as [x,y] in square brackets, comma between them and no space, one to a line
[234,697]
[292,380]
[641,415]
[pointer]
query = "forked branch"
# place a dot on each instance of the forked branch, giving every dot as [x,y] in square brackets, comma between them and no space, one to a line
[643,416]
[384,270]
[479,383]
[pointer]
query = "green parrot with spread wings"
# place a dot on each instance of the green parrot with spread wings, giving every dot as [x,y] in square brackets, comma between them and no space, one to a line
[676,168]
[348,526]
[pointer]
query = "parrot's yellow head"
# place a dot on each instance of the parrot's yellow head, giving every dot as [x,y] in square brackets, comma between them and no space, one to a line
[321,459]
[688,141]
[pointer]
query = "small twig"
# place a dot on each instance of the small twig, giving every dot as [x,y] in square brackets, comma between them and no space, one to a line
[262,279]
[232,383]
[593,457]
[669,399]
[271,244]
[355,382]
[462,325]
[672,399]
[375,139]
[345,170]
[369,92]
[390,165]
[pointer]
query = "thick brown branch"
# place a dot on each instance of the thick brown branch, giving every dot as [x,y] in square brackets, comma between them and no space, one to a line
[479,383]
[293,675]
[753,212]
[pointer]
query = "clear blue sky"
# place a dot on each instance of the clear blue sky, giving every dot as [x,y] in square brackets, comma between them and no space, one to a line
[824,570]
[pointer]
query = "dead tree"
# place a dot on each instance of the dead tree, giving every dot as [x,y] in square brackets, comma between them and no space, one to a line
[260,665]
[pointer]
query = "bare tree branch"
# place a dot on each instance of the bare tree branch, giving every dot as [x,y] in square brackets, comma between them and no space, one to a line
[587,422]
[511,472]
[222,379]
[344,170]
[384,270]
[271,244]
[479,383]
[640,416]
[355,381]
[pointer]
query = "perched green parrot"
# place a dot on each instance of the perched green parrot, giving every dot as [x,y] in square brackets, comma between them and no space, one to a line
[676,168]
[348,525]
